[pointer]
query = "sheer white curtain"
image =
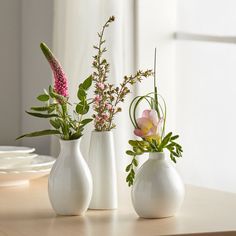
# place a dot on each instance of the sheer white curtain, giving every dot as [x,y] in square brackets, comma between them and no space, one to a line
[76,23]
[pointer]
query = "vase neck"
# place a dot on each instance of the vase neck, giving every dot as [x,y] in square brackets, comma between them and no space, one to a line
[70,146]
[157,155]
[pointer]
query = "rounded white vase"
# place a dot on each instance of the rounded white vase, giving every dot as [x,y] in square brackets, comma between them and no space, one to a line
[158,190]
[102,164]
[70,181]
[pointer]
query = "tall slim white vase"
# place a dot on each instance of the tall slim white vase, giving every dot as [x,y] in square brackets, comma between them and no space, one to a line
[70,181]
[102,165]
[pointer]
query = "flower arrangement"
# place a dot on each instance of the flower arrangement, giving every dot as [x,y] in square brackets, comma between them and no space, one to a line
[107,97]
[151,129]
[56,102]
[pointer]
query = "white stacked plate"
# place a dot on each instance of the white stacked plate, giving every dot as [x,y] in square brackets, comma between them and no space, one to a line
[18,165]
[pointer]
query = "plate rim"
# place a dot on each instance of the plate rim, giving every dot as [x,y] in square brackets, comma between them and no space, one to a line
[23,149]
[30,167]
[21,156]
[26,171]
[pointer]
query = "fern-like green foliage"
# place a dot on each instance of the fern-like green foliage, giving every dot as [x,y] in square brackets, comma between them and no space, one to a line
[149,144]
[139,147]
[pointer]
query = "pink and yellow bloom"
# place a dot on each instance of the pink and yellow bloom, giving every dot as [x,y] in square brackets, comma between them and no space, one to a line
[149,126]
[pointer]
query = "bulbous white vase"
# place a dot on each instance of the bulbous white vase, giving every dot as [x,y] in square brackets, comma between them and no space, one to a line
[70,181]
[102,164]
[158,190]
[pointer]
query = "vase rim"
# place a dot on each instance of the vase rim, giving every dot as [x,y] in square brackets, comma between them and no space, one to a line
[70,141]
[106,131]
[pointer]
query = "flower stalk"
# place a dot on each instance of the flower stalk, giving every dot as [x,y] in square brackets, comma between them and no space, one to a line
[150,128]
[108,97]
[55,104]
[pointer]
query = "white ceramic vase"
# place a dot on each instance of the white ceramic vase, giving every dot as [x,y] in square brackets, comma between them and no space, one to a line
[70,181]
[158,190]
[103,168]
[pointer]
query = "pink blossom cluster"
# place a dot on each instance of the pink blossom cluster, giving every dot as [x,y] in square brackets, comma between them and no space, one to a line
[101,85]
[104,109]
[97,100]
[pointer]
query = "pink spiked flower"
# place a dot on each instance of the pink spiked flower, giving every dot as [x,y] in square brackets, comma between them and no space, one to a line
[60,79]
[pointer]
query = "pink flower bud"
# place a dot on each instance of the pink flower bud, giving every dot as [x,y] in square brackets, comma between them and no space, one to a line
[109,107]
[97,99]
[101,85]
[105,116]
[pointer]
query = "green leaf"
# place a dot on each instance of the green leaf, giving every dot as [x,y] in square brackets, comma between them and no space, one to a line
[135,162]
[165,141]
[81,94]
[40,108]
[132,173]
[130,153]
[175,154]
[133,143]
[86,121]
[51,93]
[128,178]
[43,97]
[143,143]
[171,145]
[55,123]
[79,108]
[87,83]
[86,109]
[138,151]
[172,158]
[174,137]
[127,169]
[39,133]
[76,136]
[155,144]
[82,108]
[51,108]
[177,145]
[41,115]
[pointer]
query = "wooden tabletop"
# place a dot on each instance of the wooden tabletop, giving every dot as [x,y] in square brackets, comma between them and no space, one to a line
[26,211]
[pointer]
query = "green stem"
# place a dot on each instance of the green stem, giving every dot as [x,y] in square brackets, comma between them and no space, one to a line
[155,87]
[64,118]
[100,51]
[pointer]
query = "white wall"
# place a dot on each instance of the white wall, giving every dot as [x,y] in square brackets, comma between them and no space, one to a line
[206,95]
[36,26]
[24,71]
[10,102]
